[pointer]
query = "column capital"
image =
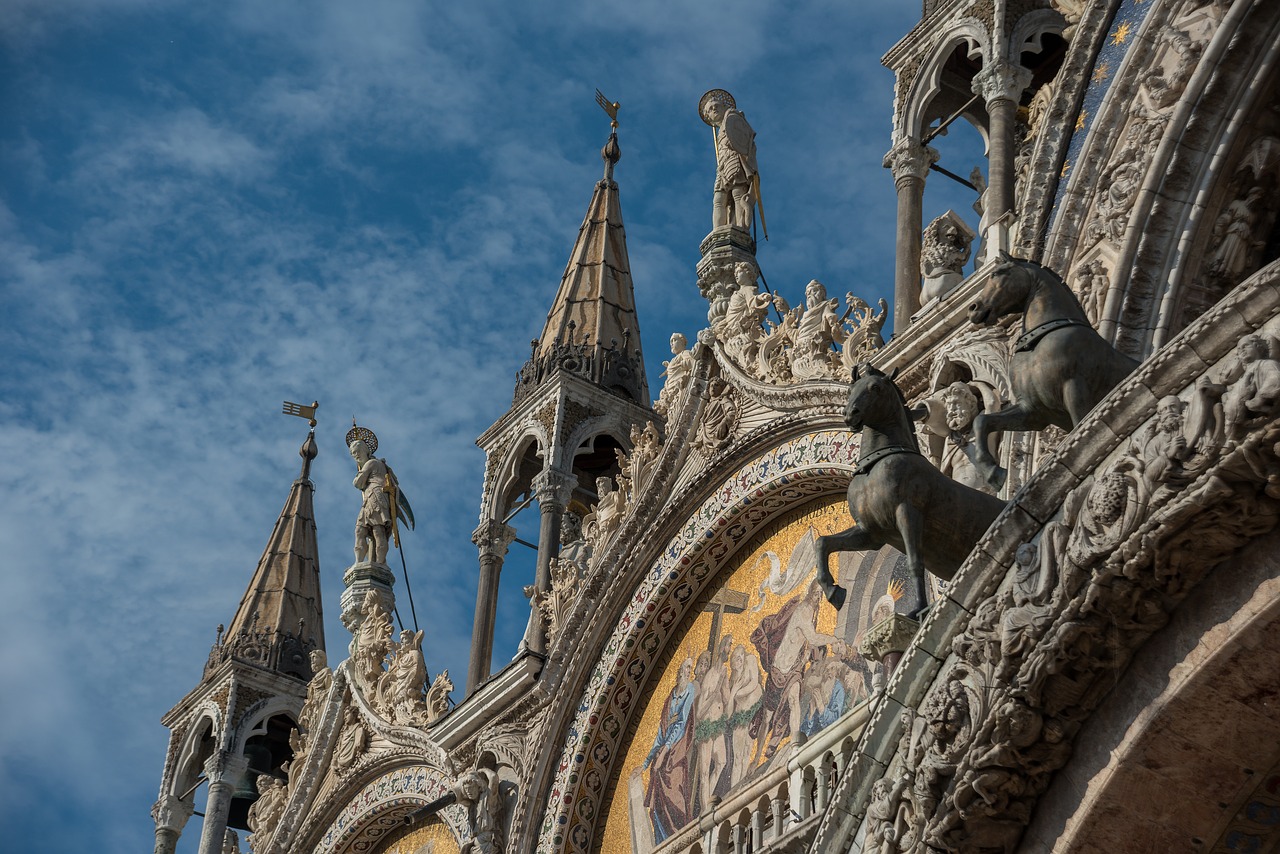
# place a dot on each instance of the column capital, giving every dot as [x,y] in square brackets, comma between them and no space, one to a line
[223,767]
[553,488]
[1001,81]
[909,159]
[493,537]
[172,812]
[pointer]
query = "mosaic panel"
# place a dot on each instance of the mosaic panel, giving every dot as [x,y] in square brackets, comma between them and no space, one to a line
[764,659]
[808,466]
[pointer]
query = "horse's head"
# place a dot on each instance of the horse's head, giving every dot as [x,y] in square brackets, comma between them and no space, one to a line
[1006,292]
[873,399]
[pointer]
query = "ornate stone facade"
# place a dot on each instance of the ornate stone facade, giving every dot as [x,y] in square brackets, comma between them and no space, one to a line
[1129,144]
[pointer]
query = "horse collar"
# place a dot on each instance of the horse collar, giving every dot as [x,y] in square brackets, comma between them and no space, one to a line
[1029,339]
[865,464]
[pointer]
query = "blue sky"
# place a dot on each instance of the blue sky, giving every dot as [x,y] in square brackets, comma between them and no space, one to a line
[206,209]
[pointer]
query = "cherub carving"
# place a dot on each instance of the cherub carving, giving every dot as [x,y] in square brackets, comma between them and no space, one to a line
[1256,393]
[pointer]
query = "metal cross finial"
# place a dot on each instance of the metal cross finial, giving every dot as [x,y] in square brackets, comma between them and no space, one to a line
[610,107]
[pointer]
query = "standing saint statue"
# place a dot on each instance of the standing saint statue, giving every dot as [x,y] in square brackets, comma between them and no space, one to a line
[373,525]
[737,187]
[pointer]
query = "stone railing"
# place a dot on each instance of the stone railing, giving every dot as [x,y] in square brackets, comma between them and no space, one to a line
[780,810]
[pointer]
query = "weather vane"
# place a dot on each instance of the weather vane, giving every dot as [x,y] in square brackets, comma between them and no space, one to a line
[302,410]
[610,107]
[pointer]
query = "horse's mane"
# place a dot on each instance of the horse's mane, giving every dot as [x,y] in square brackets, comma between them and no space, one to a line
[867,369]
[1009,263]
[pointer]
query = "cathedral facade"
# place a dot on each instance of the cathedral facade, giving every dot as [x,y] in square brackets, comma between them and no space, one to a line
[1006,582]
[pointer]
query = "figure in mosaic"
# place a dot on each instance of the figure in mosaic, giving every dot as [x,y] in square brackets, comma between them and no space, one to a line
[709,735]
[746,697]
[786,640]
[668,797]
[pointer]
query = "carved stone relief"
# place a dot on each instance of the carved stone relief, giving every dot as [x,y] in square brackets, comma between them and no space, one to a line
[1186,490]
[809,342]
[392,675]
[946,248]
[719,417]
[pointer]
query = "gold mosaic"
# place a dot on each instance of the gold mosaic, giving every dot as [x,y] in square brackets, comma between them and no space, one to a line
[764,658]
[434,837]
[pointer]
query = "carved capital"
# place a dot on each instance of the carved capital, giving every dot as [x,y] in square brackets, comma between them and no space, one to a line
[890,635]
[493,537]
[225,768]
[553,488]
[909,159]
[171,812]
[1001,81]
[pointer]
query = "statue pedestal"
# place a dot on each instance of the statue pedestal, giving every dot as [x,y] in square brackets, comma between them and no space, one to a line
[722,250]
[359,579]
[727,243]
[886,641]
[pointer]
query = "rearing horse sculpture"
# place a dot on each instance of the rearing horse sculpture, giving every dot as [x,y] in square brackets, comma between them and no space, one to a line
[1060,368]
[898,498]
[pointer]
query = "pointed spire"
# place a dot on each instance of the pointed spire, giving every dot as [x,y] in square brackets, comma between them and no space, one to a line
[592,328]
[279,620]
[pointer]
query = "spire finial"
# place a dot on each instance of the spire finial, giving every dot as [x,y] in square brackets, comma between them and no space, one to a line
[611,153]
[610,107]
[309,450]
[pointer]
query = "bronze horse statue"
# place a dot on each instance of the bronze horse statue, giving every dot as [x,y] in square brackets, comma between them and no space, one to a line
[898,498]
[1060,368]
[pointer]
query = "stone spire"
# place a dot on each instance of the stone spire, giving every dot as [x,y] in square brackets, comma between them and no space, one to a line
[256,678]
[592,329]
[584,392]
[279,620]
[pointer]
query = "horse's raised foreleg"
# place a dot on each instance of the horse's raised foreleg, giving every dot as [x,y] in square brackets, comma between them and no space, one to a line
[1016,416]
[911,529]
[853,540]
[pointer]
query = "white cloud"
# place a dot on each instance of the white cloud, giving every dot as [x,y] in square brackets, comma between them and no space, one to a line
[369,205]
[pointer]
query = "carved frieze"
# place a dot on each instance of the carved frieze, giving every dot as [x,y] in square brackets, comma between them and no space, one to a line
[1124,547]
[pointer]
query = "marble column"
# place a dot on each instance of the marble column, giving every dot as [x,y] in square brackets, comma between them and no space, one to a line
[553,488]
[492,538]
[1001,85]
[779,807]
[223,771]
[910,162]
[170,814]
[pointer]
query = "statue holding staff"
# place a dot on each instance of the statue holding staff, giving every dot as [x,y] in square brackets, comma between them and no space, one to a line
[737,187]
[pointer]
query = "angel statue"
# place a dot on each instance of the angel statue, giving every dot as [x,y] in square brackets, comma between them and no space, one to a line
[737,187]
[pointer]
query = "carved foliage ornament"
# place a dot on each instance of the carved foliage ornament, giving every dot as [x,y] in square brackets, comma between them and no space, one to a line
[815,341]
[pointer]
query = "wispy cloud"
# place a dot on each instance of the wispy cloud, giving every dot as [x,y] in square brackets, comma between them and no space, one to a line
[208,211]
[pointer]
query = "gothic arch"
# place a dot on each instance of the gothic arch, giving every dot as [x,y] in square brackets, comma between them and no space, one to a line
[968,31]
[372,804]
[1186,732]
[1144,178]
[679,568]
[189,764]
[504,474]
[259,713]
[1031,29]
